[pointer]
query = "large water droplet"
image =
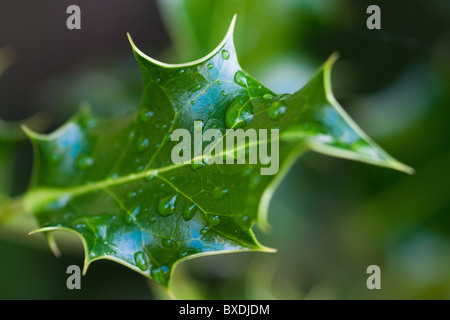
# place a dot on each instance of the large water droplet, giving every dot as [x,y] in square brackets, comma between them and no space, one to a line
[142,144]
[140,260]
[225,54]
[130,217]
[210,66]
[181,72]
[267,96]
[168,243]
[239,113]
[240,78]
[214,220]
[276,110]
[189,211]
[85,162]
[136,211]
[160,274]
[220,193]
[166,206]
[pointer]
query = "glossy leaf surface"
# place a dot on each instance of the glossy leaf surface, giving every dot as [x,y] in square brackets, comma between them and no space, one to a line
[113,182]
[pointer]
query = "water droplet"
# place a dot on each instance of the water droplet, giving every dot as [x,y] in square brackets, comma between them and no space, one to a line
[152,176]
[214,220]
[225,54]
[142,144]
[169,243]
[268,96]
[192,102]
[240,78]
[131,194]
[145,114]
[114,176]
[135,211]
[276,110]
[218,82]
[161,274]
[184,254]
[239,113]
[189,211]
[84,163]
[223,93]
[158,80]
[152,218]
[166,206]
[181,72]
[209,66]
[130,217]
[220,192]
[140,260]
[284,96]
[204,230]
[245,220]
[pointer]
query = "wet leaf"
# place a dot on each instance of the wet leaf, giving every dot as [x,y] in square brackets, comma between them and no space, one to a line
[113,183]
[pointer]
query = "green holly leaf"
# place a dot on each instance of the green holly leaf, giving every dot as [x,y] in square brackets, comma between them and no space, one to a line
[113,183]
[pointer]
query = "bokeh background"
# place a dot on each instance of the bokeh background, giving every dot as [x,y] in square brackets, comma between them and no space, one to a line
[330,218]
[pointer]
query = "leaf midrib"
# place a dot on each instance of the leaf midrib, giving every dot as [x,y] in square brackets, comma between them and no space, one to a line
[38,197]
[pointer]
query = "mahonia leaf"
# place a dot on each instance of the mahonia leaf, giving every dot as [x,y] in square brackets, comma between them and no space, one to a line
[113,183]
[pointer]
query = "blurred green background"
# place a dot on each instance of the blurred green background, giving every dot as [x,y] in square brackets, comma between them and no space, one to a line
[330,218]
